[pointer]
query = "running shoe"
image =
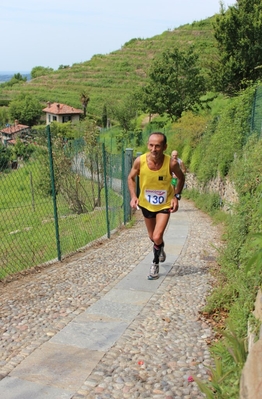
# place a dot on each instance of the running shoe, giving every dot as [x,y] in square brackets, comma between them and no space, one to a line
[153,272]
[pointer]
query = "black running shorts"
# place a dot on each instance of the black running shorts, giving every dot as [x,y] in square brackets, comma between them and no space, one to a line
[152,215]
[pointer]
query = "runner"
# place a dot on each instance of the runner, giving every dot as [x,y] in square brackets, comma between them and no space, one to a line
[157,199]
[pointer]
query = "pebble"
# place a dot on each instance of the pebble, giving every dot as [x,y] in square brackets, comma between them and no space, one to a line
[166,338]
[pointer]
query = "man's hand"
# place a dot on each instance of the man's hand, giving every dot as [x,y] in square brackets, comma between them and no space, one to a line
[174,205]
[134,202]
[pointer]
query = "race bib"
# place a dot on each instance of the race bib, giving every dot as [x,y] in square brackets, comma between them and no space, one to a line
[156,197]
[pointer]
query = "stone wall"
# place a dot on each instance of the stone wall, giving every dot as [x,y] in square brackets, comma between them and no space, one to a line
[223,187]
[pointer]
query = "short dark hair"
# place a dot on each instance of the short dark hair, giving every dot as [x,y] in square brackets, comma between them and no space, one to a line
[161,134]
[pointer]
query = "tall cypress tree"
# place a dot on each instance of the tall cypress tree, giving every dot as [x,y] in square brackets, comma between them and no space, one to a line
[104,117]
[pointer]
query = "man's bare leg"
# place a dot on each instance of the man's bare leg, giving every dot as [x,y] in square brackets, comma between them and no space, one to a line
[156,228]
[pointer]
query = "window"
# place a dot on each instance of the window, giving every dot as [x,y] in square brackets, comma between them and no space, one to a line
[66,118]
[54,118]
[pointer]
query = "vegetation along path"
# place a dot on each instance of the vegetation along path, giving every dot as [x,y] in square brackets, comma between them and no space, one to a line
[158,351]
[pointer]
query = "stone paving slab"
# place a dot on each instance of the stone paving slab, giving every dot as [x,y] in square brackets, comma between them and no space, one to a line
[15,388]
[58,365]
[137,281]
[142,269]
[116,310]
[139,298]
[94,335]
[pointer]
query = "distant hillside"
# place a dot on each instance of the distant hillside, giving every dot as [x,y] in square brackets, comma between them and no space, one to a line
[112,76]
[5,76]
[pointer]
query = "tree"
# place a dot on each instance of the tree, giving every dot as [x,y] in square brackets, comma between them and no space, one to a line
[5,157]
[104,117]
[22,150]
[26,109]
[93,159]
[84,97]
[16,78]
[175,84]
[238,32]
[125,113]
[3,116]
[40,71]
[73,159]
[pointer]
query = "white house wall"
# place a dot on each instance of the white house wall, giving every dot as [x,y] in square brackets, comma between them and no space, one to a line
[59,118]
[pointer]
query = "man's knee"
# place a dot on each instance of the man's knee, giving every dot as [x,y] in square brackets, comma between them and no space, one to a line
[158,238]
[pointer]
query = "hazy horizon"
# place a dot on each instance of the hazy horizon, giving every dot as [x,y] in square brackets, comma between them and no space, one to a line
[13,72]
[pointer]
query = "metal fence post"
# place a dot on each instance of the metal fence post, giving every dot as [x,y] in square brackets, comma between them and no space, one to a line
[128,161]
[106,191]
[52,176]
[137,178]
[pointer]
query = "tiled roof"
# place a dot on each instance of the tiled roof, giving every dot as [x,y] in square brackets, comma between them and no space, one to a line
[14,129]
[12,142]
[61,109]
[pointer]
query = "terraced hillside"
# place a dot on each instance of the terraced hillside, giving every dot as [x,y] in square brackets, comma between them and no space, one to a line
[107,78]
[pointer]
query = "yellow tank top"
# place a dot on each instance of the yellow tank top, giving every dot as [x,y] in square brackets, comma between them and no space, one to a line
[156,191]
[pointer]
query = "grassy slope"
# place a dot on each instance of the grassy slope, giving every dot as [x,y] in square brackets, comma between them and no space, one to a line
[109,77]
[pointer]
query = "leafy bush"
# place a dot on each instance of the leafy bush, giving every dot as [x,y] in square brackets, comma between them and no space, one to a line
[5,157]
[26,109]
[187,132]
[223,139]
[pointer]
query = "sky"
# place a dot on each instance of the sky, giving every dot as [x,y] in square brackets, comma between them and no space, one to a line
[51,33]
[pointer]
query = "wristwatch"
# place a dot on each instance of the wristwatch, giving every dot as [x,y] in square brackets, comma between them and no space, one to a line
[178,196]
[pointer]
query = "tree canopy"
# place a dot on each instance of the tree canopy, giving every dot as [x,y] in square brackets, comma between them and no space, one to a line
[38,71]
[125,112]
[175,83]
[16,78]
[26,109]
[238,32]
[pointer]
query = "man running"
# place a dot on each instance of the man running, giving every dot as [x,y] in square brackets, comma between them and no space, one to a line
[156,199]
[174,155]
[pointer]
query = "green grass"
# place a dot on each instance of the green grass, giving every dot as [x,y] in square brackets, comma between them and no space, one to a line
[27,231]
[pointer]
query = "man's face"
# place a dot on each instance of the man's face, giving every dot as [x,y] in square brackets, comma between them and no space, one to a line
[174,154]
[156,145]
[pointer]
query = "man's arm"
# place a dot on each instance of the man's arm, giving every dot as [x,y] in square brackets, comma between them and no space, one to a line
[180,179]
[183,167]
[131,182]
[175,168]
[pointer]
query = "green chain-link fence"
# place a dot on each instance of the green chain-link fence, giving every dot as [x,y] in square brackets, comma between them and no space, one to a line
[64,196]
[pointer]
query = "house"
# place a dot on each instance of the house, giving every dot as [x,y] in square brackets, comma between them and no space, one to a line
[11,132]
[61,113]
